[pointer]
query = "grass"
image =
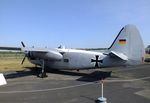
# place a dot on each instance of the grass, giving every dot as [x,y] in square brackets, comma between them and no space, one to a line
[13,65]
[147,58]
[11,61]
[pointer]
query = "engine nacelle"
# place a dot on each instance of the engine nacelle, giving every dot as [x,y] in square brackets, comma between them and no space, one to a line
[50,55]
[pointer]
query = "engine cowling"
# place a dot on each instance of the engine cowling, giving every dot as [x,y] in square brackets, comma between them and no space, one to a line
[50,55]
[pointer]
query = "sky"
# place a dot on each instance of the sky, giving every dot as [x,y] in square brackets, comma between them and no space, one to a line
[73,23]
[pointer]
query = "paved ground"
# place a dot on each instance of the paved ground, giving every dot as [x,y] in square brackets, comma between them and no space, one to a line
[126,85]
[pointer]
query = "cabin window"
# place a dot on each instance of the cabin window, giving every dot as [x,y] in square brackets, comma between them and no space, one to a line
[66,60]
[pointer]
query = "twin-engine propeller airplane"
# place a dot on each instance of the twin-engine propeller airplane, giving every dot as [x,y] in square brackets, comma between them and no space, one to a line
[127,49]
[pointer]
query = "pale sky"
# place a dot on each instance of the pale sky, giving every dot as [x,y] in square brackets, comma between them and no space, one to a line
[73,23]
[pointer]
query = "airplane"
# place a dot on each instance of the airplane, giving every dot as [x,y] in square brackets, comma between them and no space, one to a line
[126,49]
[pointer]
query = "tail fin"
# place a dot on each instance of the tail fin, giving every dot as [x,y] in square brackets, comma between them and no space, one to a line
[129,43]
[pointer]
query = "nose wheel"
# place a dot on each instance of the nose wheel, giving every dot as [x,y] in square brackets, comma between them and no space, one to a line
[43,73]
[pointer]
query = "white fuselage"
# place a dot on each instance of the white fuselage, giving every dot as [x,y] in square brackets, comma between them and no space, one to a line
[73,59]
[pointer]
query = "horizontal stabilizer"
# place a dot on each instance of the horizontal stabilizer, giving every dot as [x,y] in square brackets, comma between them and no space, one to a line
[119,55]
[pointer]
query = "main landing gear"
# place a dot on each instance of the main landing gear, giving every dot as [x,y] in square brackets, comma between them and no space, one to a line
[43,73]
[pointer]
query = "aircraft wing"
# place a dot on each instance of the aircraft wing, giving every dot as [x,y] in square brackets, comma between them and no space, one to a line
[119,55]
[43,54]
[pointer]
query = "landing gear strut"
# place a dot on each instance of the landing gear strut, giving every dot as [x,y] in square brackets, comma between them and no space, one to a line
[43,73]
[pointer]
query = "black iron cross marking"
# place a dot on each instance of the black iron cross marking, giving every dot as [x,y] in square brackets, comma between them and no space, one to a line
[96,61]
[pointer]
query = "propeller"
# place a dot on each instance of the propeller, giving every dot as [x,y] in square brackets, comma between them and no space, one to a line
[28,54]
[23,60]
[23,44]
[24,53]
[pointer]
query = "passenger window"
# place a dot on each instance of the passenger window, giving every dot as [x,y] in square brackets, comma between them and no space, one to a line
[66,60]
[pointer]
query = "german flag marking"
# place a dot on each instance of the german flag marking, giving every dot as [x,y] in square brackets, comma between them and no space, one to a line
[122,41]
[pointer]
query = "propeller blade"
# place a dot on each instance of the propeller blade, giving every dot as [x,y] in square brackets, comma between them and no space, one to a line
[23,60]
[23,44]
